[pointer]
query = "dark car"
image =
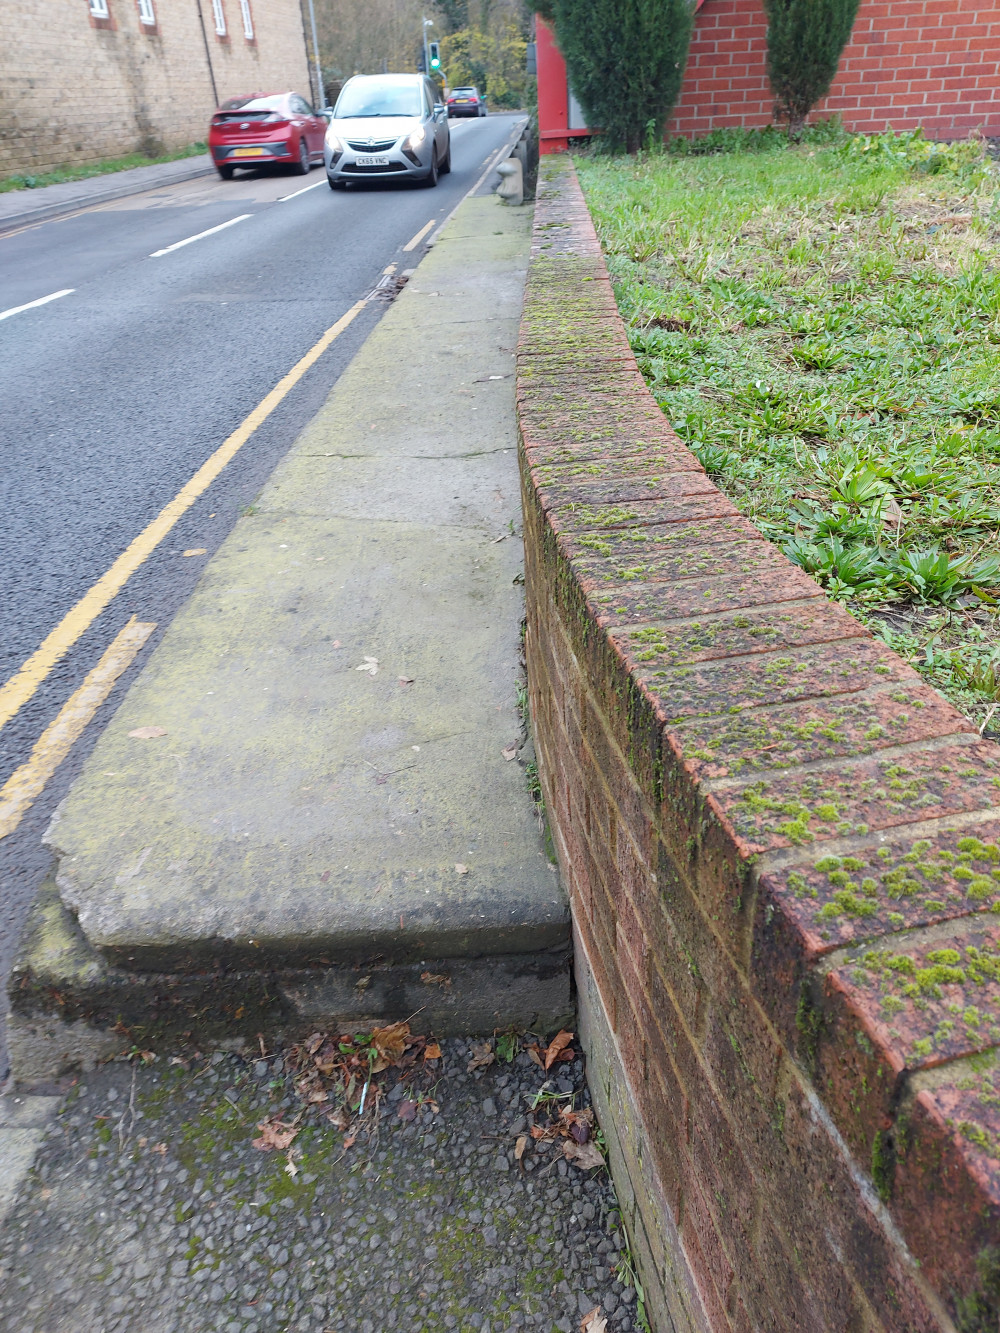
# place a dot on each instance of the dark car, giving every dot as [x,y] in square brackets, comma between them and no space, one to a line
[265,129]
[466,102]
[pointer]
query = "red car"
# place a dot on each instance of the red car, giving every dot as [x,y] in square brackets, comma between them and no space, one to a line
[264,129]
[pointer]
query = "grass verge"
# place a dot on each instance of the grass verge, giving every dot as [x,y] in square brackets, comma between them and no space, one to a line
[820,323]
[88,169]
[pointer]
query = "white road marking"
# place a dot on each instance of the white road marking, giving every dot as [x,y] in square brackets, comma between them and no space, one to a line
[412,244]
[42,300]
[315,185]
[211,232]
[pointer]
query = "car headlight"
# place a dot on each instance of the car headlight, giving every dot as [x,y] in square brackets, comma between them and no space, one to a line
[334,144]
[415,138]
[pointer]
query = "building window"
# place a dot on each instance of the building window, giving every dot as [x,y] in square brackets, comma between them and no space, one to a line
[99,9]
[147,14]
[220,18]
[247,20]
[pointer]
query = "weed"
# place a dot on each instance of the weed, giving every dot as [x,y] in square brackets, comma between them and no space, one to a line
[508,1045]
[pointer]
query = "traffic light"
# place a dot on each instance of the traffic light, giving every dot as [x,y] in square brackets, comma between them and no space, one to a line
[435,50]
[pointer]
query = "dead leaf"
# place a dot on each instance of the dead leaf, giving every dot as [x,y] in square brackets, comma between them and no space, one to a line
[148,733]
[461,869]
[594,1322]
[349,1141]
[339,1118]
[435,979]
[583,1155]
[160,1148]
[275,1136]
[482,1057]
[432,1051]
[534,1053]
[196,550]
[509,751]
[390,1043]
[519,1146]
[892,515]
[370,664]
[290,1168]
[407,1110]
[556,1047]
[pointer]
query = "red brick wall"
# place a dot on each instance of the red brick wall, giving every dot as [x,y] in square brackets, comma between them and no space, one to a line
[782,852]
[910,63]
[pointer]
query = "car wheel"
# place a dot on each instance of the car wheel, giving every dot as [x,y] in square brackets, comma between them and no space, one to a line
[304,164]
[431,179]
[446,164]
[226,172]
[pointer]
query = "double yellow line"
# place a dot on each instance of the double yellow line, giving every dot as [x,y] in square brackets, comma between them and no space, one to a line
[26,783]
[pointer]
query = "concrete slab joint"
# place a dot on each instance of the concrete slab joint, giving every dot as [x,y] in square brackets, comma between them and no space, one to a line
[329,830]
[783,857]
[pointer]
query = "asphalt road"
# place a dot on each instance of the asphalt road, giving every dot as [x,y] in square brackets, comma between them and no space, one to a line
[114,395]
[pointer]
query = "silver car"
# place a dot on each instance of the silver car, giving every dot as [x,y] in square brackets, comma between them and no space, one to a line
[387,127]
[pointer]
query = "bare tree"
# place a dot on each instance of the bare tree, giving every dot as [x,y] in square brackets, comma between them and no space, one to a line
[371,36]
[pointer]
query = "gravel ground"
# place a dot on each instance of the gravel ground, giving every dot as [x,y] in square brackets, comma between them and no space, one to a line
[149,1208]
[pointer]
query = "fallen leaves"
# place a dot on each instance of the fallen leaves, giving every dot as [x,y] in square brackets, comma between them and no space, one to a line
[148,733]
[519,1146]
[390,1043]
[436,979]
[583,1155]
[558,1049]
[509,751]
[370,664]
[275,1135]
[461,869]
[339,1072]
[482,1057]
[574,1131]
[594,1321]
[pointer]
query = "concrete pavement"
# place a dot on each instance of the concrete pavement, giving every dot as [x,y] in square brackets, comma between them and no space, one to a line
[329,811]
[116,395]
[22,208]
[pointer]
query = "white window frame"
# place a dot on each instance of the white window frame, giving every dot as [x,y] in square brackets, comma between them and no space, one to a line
[248,32]
[147,14]
[220,18]
[99,9]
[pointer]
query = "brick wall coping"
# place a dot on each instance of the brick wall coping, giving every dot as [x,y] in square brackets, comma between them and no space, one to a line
[839,818]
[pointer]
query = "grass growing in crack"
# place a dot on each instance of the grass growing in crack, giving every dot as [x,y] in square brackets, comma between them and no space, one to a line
[821,325]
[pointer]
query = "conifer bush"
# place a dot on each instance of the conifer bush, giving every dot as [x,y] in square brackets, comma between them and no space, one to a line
[805,40]
[625,60]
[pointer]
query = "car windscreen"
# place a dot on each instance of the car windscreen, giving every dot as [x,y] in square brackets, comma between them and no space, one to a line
[464,92]
[255,103]
[378,99]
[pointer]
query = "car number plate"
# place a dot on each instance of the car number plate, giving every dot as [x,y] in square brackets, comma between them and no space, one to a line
[247,152]
[373,161]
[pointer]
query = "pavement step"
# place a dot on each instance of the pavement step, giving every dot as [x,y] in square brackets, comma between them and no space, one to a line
[337,786]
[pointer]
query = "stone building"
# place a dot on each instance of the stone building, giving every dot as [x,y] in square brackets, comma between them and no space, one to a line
[84,80]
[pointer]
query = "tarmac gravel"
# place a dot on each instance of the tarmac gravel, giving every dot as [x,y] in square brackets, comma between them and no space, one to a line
[149,1208]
